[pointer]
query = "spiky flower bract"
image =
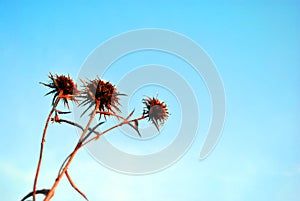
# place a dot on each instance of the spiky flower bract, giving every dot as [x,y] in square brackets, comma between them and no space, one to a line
[156,110]
[63,87]
[103,92]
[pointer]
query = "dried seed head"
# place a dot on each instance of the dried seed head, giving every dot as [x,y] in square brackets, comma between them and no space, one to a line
[63,87]
[156,110]
[102,91]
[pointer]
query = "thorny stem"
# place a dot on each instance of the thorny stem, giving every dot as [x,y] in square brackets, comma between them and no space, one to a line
[113,127]
[78,146]
[42,148]
[74,124]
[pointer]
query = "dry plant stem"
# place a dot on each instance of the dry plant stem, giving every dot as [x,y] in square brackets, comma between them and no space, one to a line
[42,191]
[42,148]
[113,127]
[78,146]
[74,124]
[92,131]
[59,177]
[90,121]
[74,186]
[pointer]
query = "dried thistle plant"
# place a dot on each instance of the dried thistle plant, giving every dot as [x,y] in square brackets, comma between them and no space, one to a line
[63,88]
[156,110]
[103,98]
[102,91]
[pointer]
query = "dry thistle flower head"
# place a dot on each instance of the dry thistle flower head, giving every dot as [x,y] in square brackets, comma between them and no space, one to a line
[156,110]
[103,92]
[63,88]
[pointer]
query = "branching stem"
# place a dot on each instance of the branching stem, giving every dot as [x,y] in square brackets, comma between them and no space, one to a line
[72,155]
[42,148]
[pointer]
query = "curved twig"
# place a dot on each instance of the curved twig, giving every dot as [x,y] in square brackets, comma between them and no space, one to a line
[63,164]
[92,131]
[74,186]
[42,191]
[73,124]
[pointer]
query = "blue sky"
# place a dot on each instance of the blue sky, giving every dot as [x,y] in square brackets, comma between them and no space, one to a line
[255,47]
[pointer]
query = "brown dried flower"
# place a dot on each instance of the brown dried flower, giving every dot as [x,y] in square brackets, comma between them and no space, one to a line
[156,110]
[63,88]
[102,91]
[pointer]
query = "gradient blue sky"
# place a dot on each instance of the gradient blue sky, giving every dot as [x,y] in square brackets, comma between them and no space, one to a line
[255,47]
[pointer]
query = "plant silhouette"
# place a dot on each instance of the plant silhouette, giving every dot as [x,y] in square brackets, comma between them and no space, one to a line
[102,98]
